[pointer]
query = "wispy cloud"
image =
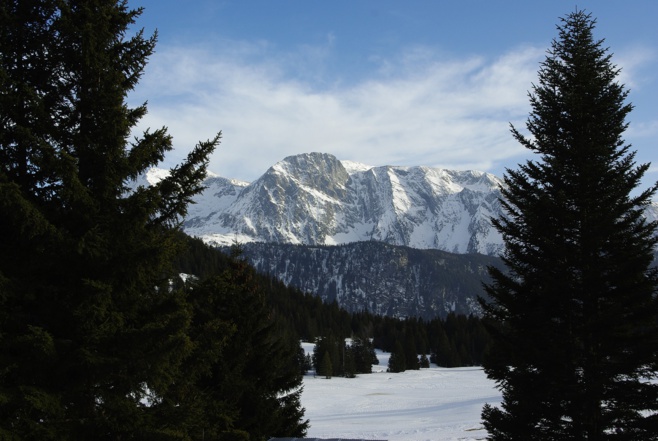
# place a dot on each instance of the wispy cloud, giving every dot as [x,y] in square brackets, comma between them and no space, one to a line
[633,60]
[418,108]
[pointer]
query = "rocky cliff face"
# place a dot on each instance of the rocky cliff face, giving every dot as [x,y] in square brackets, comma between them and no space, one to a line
[408,241]
[315,199]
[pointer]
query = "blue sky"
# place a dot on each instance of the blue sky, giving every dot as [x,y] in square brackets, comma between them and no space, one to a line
[384,82]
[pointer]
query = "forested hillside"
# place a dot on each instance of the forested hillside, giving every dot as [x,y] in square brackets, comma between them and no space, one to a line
[99,337]
[455,340]
[378,277]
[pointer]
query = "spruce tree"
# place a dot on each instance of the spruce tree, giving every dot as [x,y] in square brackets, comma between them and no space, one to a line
[253,380]
[326,367]
[424,361]
[575,319]
[90,324]
[349,362]
[364,355]
[322,346]
[397,360]
[410,352]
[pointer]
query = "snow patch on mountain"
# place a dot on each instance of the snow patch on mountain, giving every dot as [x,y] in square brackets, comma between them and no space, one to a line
[316,199]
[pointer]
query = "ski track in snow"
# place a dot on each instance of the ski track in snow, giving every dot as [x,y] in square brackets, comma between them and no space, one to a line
[436,404]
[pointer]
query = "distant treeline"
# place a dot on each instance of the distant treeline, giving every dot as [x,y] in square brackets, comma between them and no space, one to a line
[457,340]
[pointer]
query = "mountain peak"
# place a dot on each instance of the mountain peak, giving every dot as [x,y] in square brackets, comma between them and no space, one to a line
[311,172]
[316,199]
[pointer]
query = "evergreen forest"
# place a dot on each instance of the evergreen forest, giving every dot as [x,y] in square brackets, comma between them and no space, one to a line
[457,340]
[114,325]
[100,336]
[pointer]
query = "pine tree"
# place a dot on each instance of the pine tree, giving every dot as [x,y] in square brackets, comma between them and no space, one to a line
[335,349]
[575,320]
[326,366]
[242,379]
[193,404]
[349,362]
[256,374]
[308,363]
[303,361]
[397,360]
[90,324]
[410,352]
[424,361]
[364,355]
[322,346]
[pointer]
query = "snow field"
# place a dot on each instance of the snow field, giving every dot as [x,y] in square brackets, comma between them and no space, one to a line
[437,404]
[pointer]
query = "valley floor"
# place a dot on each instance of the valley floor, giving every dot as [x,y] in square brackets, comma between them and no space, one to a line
[437,404]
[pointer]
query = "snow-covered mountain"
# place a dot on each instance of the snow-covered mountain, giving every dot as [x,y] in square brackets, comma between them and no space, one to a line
[315,199]
[381,212]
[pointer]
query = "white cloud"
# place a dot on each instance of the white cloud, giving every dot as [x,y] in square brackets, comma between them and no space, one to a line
[632,61]
[417,108]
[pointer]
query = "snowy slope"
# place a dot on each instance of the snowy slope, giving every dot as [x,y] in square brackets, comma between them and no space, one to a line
[315,199]
[436,404]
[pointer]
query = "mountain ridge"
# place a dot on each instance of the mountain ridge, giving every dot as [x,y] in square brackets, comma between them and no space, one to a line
[398,241]
[316,199]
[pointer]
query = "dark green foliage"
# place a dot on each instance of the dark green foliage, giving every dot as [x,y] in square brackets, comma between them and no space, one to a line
[346,360]
[397,362]
[243,379]
[326,367]
[304,361]
[363,354]
[349,365]
[99,338]
[458,341]
[410,353]
[575,322]
[455,340]
[328,353]
[89,324]
[308,363]
[307,314]
[192,404]
[257,372]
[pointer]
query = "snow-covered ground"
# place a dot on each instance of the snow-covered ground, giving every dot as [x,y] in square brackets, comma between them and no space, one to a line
[435,404]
